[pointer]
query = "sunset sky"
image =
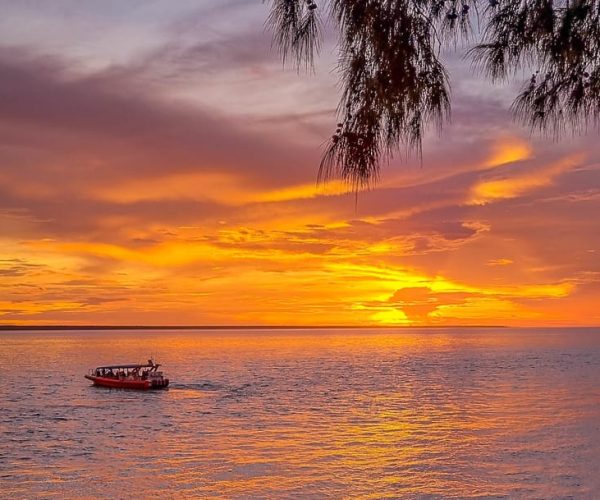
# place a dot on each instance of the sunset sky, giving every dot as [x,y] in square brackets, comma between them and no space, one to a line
[158,166]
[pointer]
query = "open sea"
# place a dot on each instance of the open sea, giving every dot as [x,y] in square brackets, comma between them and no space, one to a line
[407,413]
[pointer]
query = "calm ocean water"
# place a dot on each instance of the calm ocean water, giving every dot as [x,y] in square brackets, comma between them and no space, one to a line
[444,413]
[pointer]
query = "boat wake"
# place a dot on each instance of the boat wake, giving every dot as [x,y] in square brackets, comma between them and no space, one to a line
[202,387]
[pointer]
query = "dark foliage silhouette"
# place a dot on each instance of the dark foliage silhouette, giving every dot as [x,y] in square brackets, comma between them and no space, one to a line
[394,84]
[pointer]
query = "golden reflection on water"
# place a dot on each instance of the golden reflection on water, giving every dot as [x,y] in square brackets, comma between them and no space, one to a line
[508,413]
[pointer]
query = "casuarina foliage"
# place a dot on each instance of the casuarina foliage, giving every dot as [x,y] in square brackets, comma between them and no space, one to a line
[395,86]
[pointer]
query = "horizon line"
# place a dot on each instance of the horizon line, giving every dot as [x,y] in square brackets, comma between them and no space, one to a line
[7,327]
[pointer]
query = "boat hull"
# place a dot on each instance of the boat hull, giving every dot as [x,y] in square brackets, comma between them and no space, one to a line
[138,385]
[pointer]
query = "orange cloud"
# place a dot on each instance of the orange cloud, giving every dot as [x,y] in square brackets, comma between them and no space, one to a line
[220,187]
[509,150]
[500,262]
[520,183]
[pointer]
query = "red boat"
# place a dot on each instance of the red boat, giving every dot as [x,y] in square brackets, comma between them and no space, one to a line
[134,376]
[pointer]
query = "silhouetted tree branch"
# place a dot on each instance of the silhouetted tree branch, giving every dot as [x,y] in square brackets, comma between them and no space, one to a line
[394,85]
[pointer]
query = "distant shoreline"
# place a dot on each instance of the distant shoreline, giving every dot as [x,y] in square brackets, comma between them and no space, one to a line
[231,327]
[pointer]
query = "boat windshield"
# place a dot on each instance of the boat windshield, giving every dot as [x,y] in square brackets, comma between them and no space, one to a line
[131,371]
